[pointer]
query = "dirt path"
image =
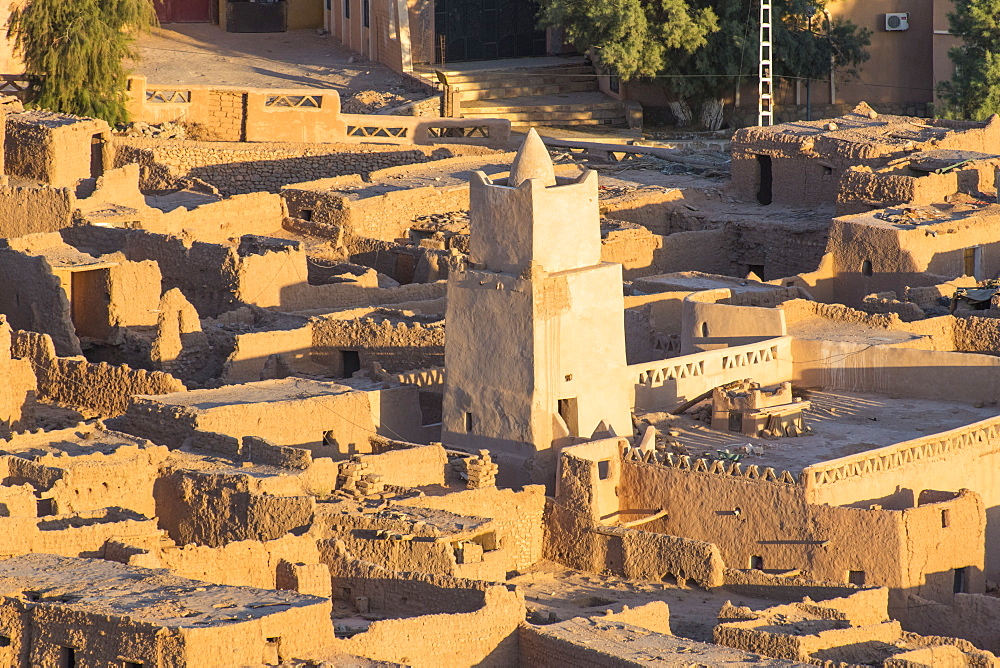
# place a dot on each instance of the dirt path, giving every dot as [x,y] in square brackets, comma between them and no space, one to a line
[204,54]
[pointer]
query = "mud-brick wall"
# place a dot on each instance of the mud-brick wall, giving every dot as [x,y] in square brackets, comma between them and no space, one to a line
[538,646]
[517,516]
[103,388]
[782,250]
[236,168]
[486,637]
[225,113]
[396,346]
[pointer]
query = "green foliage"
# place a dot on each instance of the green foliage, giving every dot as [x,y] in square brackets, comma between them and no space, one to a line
[633,37]
[74,52]
[701,48]
[803,43]
[974,89]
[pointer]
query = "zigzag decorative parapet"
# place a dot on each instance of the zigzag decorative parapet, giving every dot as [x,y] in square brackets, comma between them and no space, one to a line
[685,463]
[898,455]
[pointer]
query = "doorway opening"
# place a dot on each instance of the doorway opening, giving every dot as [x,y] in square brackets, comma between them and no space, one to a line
[765,178]
[96,156]
[568,412]
[350,361]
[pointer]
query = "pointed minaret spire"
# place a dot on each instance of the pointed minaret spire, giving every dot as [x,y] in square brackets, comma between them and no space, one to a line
[532,162]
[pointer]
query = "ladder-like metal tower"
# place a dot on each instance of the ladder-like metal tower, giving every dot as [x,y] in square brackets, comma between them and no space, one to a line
[765,101]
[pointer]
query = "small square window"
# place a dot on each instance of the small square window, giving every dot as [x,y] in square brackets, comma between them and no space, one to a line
[604,469]
[856,578]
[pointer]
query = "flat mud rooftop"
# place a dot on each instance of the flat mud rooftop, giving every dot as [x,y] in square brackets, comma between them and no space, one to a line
[843,423]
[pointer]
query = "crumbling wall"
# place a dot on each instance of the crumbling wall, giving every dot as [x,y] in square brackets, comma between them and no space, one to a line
[414,466]
[253,350]
[479,629]
[517,516]
[973,617]
[245,563]
[215,508]
[861,189]
[654,556]
[101,388]
[236,168]
[396,343]
[26,210]
[32,298]
[204,272]
[72,535]
[19,384]
[51,148]
[259,213]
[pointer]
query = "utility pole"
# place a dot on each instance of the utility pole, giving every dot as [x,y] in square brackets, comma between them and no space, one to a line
[765,101]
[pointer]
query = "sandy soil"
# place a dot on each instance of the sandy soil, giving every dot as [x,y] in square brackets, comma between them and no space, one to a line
[203,54]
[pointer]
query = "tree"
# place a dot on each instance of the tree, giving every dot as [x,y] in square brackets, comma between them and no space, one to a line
[631,38]
[720,50]
[805,43]
[974,89]
[74,52]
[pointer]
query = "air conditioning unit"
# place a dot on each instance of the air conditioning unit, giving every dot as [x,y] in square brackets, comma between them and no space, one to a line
[897,21]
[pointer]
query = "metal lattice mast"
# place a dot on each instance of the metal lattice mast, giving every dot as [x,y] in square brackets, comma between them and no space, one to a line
[765,101]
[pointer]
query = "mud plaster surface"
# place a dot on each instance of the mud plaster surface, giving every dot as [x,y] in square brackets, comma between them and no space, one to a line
[566,593]
[843,423]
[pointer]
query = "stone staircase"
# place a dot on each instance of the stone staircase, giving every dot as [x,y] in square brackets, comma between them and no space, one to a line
[564,92]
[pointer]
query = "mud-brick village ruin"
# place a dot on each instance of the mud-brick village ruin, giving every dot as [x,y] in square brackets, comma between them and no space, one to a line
[349,348]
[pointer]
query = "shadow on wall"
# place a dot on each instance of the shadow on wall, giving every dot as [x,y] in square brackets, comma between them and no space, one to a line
[271,175]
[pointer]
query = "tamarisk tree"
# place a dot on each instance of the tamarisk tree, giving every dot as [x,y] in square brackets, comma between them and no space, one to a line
[974,89]
[632,38]
[74,52]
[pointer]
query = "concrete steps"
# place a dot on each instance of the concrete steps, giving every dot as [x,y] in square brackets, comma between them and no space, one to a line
[547,91]
[570,108]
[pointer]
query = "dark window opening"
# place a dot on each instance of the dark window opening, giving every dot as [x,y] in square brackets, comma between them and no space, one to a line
[568,412]
[856,578]
[757,563]
[866,268]
[351,362]
[96,156]
[329,439]
[735,421]
[306,214]
[827,172]
[615,83]
[67,657]
[4,641]
[764,194]
[944,519]
[347,9]
[704,330]
[45,507]
[961,580]
[604,469]
[468,423]
[133,664]
[366,13]
[756,269]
